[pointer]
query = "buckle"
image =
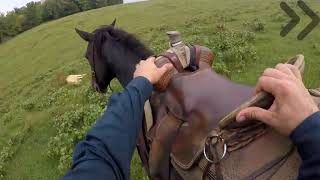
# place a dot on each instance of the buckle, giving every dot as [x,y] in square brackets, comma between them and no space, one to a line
[219,139]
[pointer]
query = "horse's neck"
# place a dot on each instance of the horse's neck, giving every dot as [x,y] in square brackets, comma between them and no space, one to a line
[124,73]
[124,62]
[125,76]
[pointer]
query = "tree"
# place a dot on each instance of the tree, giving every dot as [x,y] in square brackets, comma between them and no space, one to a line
[20,21]
[93,4]
[85,5]
[32,15]
[10,24]
[2,27]
[69,7]
[49,10]
[54,9]
[102,3]
[113,2]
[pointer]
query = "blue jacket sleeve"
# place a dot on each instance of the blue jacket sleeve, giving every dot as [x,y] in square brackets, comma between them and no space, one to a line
[307,138]
[108,148]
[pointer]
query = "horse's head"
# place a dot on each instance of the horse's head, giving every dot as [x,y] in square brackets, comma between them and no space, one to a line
[112,53]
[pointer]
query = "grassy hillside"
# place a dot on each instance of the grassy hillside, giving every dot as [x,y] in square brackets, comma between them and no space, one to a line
[36,105]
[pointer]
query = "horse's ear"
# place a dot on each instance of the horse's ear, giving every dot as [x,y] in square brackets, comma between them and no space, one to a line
[85,35]
[114,23]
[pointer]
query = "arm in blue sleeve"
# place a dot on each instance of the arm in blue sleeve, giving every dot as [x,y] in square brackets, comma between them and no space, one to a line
[307,138]
[108,148]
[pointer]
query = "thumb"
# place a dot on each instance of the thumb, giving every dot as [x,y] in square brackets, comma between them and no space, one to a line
[165,68]
[255,113]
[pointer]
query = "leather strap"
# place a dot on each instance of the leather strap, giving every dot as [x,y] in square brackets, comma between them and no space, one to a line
[188,55]
[193,64]
[241,137]
[181,56]
[173,58]
[142,145]
[198,53]
[148,115]
[143,151]
[207,168]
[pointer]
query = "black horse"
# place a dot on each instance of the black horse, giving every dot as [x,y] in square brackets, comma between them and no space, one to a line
[114,53]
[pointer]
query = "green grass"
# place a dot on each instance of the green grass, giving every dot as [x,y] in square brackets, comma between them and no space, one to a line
[33,65]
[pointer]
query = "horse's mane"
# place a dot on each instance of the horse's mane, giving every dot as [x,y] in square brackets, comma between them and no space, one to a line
[129,41]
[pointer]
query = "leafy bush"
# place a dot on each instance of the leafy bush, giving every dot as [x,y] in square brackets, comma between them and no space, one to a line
[73,124]
[29,105]
[222,68]
[5,154]
[256,25]
[234,49]
[9,150]
[316,47]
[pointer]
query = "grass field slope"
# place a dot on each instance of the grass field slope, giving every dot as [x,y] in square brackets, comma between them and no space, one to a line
[41,117]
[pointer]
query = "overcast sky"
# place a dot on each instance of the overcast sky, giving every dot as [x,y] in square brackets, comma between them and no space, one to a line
[8,5]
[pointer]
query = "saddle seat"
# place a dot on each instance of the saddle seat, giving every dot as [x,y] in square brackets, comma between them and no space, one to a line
[194,133]
[195,104]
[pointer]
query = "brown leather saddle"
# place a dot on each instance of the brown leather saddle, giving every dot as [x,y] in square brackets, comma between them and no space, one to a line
[193,134]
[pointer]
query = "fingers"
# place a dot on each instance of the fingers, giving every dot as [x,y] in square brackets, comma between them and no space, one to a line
[272,78]
[295,71]
[268,84]
[151,59]
[255,113]
[275,73]
[283,71]
[165,68]
[284,68]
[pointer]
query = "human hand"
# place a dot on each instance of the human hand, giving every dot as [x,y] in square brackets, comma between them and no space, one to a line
[292,104]
[148,69]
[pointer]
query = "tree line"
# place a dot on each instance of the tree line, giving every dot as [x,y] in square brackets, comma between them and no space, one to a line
[35,13]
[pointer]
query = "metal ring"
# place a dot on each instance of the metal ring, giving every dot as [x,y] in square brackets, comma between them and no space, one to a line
[212,161]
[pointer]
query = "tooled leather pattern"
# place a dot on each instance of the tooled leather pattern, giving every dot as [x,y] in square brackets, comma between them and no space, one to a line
[164,82]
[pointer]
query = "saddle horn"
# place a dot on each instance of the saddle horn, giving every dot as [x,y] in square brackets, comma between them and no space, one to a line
[182,57]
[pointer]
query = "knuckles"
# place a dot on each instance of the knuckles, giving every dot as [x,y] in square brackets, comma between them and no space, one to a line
[267,71]
[279,66]
[285,88]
